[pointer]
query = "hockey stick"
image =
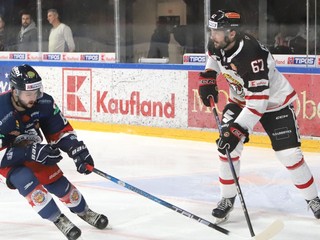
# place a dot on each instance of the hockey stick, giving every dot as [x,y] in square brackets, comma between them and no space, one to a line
[277,225]
[235,177]
[265,235]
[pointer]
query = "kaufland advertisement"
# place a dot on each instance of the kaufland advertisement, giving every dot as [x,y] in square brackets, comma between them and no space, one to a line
[153,97]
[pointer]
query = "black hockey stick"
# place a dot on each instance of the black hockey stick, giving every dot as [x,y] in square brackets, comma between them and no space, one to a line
[158,200]
[266,234]
[233,171]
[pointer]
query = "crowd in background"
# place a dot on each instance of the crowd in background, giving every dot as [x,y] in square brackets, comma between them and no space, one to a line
[91,26]
[60,37]
[295,42]
[88,28]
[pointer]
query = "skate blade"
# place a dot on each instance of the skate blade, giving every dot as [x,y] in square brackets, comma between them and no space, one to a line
[221,220]
[109,227]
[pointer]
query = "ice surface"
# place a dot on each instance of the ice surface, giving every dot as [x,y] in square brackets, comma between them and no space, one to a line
[183,173]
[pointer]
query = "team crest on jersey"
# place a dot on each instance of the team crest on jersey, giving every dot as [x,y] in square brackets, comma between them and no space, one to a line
[234,84]
[238,89]
[38,197]
[74,196]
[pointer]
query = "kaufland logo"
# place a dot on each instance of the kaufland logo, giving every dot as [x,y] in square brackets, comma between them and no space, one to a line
[136,105]
[51,56]
[89,57]
[194,59]
[301,60]
[77,93]
[17,56]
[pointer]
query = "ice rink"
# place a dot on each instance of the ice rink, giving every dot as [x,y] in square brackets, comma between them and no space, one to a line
[183,173]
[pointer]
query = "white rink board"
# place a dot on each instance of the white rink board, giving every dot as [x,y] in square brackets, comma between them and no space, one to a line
[156,98]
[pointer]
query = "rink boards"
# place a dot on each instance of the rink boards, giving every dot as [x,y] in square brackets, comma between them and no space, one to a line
[157,100]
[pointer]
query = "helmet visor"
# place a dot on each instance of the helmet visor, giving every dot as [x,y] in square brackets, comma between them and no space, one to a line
[32,90]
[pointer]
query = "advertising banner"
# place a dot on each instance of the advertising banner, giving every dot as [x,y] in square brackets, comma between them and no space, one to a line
[58,57]
[280,59]
[153,97]
[307,106]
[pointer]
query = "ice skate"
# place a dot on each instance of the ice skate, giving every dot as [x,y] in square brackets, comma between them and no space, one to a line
[223,209]
[314,205]
[97,220]
[71,231]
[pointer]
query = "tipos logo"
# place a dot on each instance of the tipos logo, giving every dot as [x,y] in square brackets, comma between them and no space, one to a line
[77,93]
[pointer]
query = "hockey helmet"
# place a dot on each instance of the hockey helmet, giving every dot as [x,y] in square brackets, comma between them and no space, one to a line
[25,78]
[225,19]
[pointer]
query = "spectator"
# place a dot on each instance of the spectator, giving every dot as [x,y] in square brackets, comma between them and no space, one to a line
[3,35]
[281,42]
[60,37]
[298,43]
[160,39]
[27,37]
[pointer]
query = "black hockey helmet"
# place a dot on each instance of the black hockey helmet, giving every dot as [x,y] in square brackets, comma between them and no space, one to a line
[225,19]
[25,78]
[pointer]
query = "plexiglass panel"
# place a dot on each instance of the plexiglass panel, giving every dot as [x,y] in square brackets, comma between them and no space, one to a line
[157,29]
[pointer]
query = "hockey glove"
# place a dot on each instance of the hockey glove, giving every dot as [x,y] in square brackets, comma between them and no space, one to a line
[25,140]
[208,87]
[43,153]
[81,157]
[231,135]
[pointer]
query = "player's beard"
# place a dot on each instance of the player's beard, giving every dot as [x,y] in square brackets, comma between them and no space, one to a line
[222,45]
[24,104]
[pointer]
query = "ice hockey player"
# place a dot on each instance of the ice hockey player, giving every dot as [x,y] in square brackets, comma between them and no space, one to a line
[29,165]
[257,92]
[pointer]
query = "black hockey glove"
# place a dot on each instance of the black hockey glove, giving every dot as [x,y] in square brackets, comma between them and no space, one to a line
[43,153]
[208,87]
[231,135]
[81,157]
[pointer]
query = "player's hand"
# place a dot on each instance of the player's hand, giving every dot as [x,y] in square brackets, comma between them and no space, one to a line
[231,135]
[43,153]
[81,157]
[208,87]
[25,140]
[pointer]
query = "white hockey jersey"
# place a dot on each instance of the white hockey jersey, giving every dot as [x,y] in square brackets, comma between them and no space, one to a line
[254,82]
